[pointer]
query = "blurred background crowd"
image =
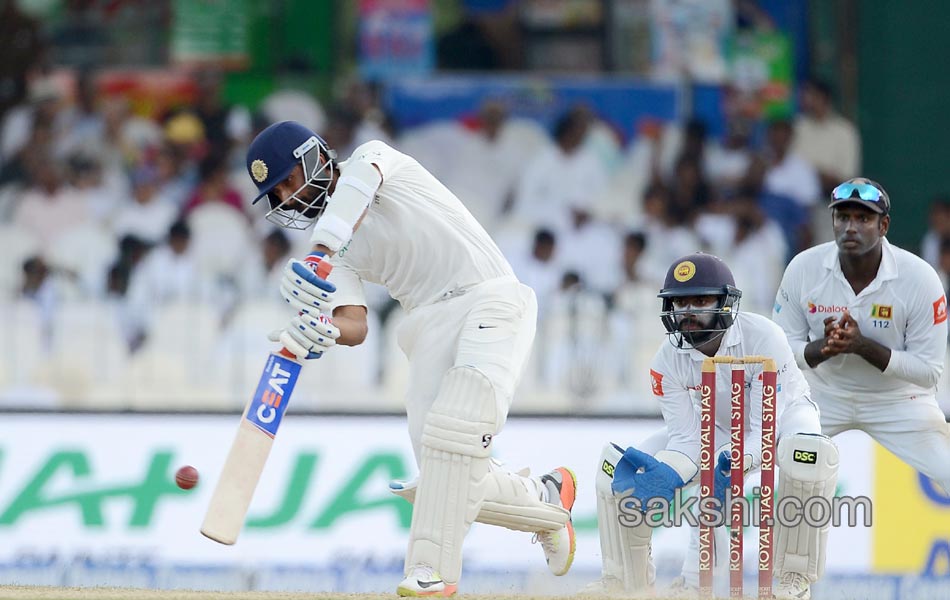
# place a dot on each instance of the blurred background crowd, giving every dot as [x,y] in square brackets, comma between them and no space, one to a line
[596,141]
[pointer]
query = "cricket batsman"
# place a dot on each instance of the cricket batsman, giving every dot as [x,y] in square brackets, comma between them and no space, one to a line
[379,216]
[700,311]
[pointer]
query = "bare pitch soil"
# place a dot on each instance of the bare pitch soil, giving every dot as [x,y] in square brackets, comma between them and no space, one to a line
[53,593]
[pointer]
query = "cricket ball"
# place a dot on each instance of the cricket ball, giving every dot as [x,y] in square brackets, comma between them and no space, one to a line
[186,477]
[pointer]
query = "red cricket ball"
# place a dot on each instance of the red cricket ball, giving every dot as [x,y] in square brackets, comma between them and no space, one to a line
[186,477]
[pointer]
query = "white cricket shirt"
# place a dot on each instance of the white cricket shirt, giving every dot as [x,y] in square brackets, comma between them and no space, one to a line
[676,377]
[903,308]
[417,239]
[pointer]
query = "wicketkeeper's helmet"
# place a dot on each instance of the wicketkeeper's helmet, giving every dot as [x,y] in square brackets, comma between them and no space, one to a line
[699,274]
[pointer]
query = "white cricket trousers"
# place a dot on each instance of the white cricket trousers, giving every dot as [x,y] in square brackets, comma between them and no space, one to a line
[914,428]
[490,327]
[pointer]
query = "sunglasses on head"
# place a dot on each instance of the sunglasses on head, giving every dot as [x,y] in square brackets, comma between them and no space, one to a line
[864,191]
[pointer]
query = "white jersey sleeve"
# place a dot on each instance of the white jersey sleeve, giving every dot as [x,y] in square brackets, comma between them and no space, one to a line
[787,311]
[920,359]
[378,153]
[349,286]
[671,387]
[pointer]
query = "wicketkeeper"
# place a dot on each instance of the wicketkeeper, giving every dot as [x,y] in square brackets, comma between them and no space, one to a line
[700,311]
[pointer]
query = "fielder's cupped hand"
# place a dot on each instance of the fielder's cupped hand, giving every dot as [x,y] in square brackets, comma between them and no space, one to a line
[304,285]
[845,338]
[307,336]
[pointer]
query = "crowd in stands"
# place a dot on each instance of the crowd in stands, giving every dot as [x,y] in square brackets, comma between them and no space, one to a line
[134,272]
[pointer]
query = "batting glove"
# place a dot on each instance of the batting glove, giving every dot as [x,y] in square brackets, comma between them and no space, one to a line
[304,285]
[307,336]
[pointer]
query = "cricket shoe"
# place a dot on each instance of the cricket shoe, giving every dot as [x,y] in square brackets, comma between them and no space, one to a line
[605,586]
[559,546]
[680,588]
[792,586]
[423,580]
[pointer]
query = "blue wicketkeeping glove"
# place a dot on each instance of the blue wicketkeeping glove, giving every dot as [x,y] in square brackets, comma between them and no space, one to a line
[723,478]
[640,475]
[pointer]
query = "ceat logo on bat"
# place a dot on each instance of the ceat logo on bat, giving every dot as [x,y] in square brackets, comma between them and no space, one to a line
[273,393]
[940,310]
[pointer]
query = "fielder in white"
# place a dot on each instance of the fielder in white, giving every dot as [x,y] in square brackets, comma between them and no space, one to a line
[381,217]
[701,315]
[868,324]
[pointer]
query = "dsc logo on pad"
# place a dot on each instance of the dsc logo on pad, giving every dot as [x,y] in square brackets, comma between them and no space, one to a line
[269,401]
[805,456]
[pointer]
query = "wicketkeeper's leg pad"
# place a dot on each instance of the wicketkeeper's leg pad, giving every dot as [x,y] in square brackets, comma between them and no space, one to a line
[808,468]
[453,470]
[625,551]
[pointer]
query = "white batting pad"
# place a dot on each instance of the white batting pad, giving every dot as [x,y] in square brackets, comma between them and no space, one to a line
[453,470]
[512,500]
[808,468]
[625,551]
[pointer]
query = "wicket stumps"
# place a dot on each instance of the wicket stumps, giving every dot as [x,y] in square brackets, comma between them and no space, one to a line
[707,462]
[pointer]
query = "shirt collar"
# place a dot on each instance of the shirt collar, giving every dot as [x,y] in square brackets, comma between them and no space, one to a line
[731,338]
[887,270]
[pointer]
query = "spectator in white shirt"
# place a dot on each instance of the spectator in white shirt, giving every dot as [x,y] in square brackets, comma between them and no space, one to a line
[538,268]
[150,214]
[588,237]
[668,235]
[48,208]
[726,165]
[787,173]
[828,141]
[47,288]
[790,185]
[757,254]
[498,152]
[168,274]
[261,280]
[559,178]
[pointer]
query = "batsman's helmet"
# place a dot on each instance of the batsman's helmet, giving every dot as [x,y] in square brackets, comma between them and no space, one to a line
[699,274]
[273,155]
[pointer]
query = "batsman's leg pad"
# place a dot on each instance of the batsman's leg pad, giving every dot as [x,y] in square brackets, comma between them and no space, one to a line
[455,464]
[808,468]
[512,500]
[625,551]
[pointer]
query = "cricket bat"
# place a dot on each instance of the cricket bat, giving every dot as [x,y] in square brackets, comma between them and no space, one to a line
[252,443]
[250,448]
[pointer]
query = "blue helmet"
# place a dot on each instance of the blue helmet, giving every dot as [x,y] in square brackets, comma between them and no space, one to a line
[272,157]
[699,274]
